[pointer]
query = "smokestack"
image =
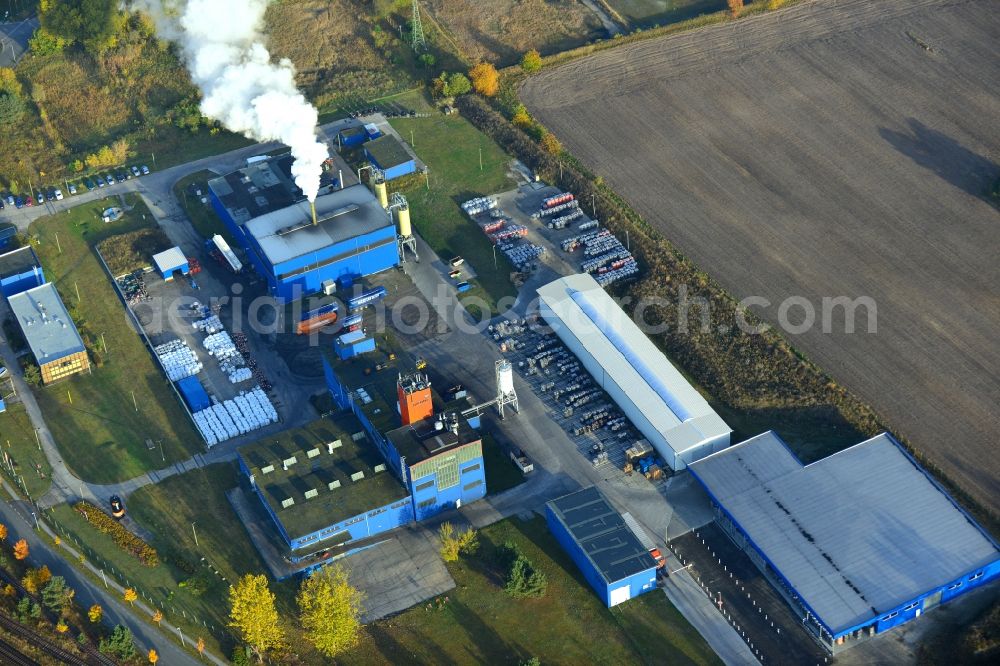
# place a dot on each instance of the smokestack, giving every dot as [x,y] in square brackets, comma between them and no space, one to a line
[241,86]
[312,206]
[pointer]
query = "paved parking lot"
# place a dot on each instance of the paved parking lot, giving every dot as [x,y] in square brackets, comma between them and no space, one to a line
[746,598]
[14,40]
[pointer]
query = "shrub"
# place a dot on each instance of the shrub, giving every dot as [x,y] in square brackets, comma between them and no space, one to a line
[124,539]
[119,644]
[735,7]
[485,79]
[11,108]
[531,62]
[522,579]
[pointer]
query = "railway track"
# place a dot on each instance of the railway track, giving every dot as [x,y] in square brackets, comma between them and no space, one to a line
[11,655]
[93,657]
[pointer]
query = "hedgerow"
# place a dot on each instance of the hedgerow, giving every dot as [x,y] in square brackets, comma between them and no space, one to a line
[124,539]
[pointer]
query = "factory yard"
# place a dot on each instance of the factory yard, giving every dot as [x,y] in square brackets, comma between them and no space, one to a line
[101,421]
[880,121]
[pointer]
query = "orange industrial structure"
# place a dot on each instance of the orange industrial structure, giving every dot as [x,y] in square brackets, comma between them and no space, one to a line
[414,393]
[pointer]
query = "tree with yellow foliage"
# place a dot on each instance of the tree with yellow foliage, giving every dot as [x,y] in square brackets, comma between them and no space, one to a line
[130,595]
[521,117]
[62,627]
[253,615]
[485,79]
[551,144]
[531,62]
[330,610]
[21,550]
[157,616]
[735,7]
[35,579]
[95,613]
[200,646]
[153,657]
[3,532]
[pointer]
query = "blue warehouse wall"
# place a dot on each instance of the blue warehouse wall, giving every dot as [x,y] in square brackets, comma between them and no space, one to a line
[400,170]
[364,525]
[15,284]
[363,255]
[439,490]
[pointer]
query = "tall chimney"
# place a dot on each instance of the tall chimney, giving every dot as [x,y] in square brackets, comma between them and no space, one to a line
[312,206]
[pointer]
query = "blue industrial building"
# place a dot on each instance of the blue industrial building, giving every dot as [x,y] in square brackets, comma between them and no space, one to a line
[171,261]
[323,493]
[328,496]
[609,555]
[20,271]
[438,458]
[388,154]
[857,543]
[351,236]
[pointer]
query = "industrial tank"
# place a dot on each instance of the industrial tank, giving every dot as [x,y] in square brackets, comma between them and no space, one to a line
[381,191]
[505,378]
[403,217]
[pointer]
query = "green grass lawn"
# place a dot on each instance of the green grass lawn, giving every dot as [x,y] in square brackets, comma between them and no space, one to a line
[202,216]
[171,145]
[99,430]
[189,592]
[478,623]
[450,147]
[17,438]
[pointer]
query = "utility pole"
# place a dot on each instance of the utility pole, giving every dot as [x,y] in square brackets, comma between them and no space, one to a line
[480,159]
[195,534]
[419,43]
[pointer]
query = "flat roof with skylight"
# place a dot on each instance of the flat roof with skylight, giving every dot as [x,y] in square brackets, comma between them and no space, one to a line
[318,475]
[625,362]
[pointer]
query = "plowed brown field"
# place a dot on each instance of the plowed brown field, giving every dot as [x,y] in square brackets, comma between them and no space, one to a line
[836,148]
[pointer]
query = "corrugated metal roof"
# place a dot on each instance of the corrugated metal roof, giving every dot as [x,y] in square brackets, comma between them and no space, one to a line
[46,324]
[170,260]
[658,389]
[288,233]
[601,532]
[856,534]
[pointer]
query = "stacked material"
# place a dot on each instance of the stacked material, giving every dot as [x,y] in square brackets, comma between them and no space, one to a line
[209,325]
[479,205]
[245,413]
[221,346]
[521,255]
[177,359]
[510,233]
[240,375]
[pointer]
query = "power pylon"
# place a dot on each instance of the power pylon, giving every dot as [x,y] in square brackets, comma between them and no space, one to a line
[418,29]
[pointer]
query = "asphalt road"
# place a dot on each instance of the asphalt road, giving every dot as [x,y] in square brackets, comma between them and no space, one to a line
[836,148]
[16,515]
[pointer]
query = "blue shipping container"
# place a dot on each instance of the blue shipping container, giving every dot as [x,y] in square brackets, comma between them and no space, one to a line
[194,394]
[366,298]
[320,311]
[352,349]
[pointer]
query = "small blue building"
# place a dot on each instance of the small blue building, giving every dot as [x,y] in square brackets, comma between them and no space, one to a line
[600,543]
[194,394]
[352,136]
[389,155]
[353,344]
[857,543]
[265,212]
[20,271]
[170,262]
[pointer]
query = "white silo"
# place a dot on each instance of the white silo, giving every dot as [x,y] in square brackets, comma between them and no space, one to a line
[505,386]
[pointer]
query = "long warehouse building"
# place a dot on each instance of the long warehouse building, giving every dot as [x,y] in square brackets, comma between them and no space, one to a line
[857,543]
[649,390]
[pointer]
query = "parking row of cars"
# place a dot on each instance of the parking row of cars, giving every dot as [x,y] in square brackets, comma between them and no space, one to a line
[56,194]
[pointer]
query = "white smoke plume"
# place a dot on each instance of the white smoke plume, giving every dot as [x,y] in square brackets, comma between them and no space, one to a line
[223,45]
